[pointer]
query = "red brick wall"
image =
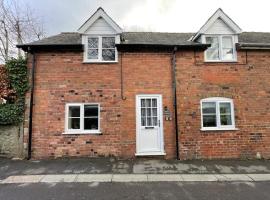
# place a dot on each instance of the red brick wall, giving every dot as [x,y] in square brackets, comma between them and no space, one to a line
[62,78]
[146,73]
[247,83]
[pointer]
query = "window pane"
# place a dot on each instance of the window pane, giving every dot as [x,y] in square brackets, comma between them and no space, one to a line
[149,121]
[155,121]
[225,120]
[143,121]
[92,43]
[225,114]
[92,54]
[143,112]
[148,112]
[212,53]
[108,42]
[90,111]
[74,123]
[225,108]
[90,123]
[227,54]
[154,112]
[227,48]
[209,108]
[74,111]
[142,102]
[148,102]
[108,54]
[213,41]
[227,42]
[154,102]
[209,121]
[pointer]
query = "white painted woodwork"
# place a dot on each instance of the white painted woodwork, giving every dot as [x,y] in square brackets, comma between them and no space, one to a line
[219,27]
[100,27]
[149,139]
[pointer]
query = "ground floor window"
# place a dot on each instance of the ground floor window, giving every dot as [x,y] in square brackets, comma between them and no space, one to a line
[82,118]
[217,114]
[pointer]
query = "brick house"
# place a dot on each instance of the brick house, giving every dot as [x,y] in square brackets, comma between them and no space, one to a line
[104,92]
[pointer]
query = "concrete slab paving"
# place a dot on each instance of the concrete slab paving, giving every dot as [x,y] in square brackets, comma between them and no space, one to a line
[198,177]
[164,177]
[23,179]
[87,178]
[259,177]
[237,177]
[221,177]
[129,178]
[63,178]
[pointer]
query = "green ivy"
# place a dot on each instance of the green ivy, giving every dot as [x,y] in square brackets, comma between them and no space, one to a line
[12,112]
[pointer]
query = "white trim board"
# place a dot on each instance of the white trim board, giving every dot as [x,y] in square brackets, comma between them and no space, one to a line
[100,13]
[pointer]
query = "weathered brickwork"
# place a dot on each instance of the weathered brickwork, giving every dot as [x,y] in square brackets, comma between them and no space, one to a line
[247,82]
[62,78]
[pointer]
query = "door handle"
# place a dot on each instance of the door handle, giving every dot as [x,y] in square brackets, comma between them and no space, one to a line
[150,127]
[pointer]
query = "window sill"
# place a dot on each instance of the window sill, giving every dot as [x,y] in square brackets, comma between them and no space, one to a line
[83,133]
[220,61]
[99,62]
[219,129]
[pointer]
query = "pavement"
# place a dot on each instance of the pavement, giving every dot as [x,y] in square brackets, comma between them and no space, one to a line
[151,179]
[88,170]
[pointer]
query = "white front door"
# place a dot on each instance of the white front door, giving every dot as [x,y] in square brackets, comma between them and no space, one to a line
[149,133]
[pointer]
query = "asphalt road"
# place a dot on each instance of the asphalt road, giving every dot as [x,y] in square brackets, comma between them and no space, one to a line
[136,191]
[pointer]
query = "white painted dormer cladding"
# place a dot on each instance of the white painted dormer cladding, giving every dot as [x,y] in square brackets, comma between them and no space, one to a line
[222,33]
[100,34]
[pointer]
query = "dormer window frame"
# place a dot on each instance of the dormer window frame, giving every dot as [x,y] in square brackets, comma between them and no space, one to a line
[100,48]
[221,48]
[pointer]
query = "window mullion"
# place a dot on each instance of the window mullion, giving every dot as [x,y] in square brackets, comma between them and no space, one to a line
[98,117]
[82,117]
[220,48]
[100,48]
[218,114]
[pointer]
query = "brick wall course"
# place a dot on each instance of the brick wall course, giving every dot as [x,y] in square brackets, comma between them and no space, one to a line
[62,78]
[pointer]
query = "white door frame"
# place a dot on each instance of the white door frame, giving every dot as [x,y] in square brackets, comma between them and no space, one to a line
[138,127]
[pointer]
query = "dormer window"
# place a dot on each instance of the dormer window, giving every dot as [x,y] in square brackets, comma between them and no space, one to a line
[222,48]
[99,36]
[222,33]
[100,49]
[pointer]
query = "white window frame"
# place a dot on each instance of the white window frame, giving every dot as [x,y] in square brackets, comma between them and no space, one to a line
[99,60]
[218,100]
[220,50]
[81,130]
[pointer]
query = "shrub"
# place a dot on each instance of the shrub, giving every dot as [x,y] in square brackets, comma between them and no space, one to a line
[12,111]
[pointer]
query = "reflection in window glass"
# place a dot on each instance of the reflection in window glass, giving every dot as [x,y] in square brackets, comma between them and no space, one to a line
[212,53]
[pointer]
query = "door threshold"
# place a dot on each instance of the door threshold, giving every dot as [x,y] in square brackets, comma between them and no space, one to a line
[151,154]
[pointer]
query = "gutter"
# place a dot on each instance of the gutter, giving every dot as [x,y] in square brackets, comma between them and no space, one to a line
[254,46]
[175,101]
[31,106]
[50,47]
[135,47]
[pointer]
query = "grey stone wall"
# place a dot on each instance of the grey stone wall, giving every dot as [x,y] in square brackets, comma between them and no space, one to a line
[11,141]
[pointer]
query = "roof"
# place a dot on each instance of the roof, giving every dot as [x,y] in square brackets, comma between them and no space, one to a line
[157,38]
[73,39]
[67,38]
